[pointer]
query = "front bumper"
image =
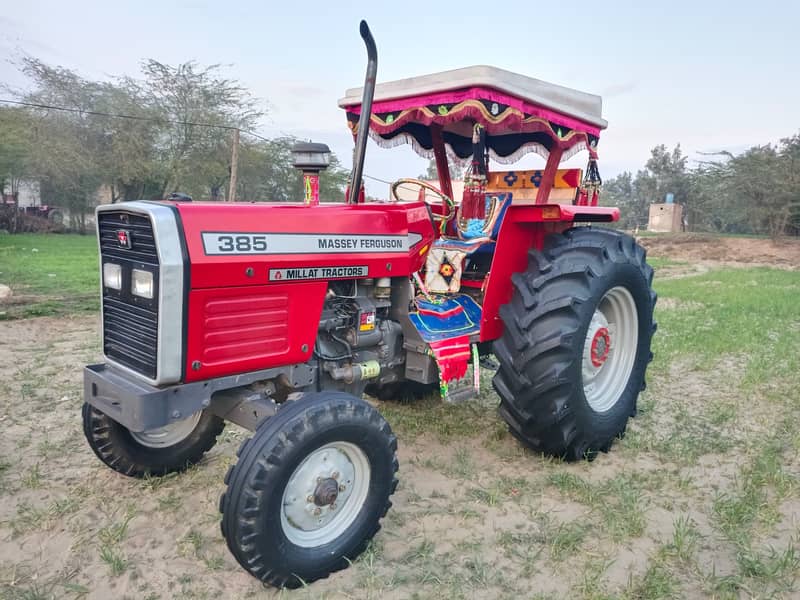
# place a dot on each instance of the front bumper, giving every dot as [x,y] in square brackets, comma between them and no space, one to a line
[136,404]
[140,406]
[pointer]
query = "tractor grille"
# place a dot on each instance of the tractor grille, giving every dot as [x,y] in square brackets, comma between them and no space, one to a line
[130,323]
[130,335]
[143,244]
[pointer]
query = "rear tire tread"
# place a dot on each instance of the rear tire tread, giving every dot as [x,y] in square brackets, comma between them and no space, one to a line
[537,348]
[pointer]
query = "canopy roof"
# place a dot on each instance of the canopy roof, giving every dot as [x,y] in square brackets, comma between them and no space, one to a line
[521,114]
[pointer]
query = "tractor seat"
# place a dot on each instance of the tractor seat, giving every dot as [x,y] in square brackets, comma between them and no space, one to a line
[474,234]
[445,261]
[488,228]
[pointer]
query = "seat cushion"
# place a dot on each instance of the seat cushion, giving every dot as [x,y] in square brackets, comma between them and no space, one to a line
[496,206]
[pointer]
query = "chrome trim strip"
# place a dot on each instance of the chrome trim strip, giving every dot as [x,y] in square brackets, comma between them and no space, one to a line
[170,284]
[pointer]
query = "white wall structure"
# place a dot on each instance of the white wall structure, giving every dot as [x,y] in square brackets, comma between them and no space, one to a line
[28,193]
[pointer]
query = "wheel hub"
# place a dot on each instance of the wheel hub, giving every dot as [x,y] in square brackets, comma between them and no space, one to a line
[326,492]
[601,345]
[610,349]
[597,347]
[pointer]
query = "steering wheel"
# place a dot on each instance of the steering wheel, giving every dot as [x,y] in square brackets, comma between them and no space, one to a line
[446,202]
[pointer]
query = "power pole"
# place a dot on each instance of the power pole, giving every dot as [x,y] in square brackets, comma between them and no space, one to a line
[234,166]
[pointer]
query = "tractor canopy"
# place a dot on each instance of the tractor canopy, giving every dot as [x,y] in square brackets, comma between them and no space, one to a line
[520,114]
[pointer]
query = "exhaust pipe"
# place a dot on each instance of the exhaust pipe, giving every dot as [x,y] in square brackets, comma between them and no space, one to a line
[366,111]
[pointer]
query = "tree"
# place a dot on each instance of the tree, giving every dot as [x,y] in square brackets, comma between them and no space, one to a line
[432,173]
[196,159]
[170,130]
[14,157]
[619,191]
[266,173]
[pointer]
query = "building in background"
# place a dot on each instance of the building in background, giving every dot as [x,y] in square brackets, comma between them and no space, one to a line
[665,218]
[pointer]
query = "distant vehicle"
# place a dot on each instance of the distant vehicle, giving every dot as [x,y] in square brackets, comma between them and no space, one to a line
[43,211]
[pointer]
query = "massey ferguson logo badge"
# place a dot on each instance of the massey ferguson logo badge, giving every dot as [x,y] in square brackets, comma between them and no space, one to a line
[124,238]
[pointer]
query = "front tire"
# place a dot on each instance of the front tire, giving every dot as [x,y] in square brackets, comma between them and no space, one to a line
[576,342]
[309,489]
[156,452]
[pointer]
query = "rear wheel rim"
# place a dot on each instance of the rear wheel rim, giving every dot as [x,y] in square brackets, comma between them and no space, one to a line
[169,435]
[325,494]
[609,351]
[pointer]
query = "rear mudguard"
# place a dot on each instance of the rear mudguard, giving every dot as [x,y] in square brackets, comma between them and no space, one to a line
[524,227]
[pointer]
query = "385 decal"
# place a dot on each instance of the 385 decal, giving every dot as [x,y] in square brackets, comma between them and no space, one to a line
[242,243]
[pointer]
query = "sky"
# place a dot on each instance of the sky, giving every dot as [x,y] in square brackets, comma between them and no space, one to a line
[708,75]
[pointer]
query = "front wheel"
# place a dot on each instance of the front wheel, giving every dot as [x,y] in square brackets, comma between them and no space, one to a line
[168,449]
[576,342]
[309,489]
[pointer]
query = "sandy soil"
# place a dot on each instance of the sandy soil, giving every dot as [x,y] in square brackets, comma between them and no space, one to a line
[475,516]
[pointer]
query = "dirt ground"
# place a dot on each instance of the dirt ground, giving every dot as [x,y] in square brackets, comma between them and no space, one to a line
[475,515]
[720,250]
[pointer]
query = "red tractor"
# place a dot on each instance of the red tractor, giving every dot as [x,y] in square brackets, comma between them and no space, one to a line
[278,317]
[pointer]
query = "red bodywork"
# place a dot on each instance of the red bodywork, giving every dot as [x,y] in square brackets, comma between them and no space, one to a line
[241,321]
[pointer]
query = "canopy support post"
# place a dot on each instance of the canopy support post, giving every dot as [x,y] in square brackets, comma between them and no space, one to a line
[549,175]
[442,167]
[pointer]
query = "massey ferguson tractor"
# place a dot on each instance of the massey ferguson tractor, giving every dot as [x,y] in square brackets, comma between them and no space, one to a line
[278,317]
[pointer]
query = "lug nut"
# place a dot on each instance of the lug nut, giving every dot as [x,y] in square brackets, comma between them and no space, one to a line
[335,475]
[342,488]
[310,499]
[333,506]
[317,511]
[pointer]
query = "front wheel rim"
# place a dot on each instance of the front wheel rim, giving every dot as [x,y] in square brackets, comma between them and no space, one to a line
[169,435]
[325,494]
[609,351]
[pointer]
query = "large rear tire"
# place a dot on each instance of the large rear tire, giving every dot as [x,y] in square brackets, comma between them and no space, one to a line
[576,342]
[309,489]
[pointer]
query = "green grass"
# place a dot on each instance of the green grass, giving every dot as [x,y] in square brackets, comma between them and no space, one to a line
[618,503]
[751,313]
[49,274]
[659,262]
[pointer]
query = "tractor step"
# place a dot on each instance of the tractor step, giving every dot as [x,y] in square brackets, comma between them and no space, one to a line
[459,394]
[459,377]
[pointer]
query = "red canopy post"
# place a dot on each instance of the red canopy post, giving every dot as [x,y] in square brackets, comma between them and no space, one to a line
[442,167]
[549,175]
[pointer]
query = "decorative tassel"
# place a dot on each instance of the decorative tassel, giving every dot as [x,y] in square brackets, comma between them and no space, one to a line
[473,202]
[589,192]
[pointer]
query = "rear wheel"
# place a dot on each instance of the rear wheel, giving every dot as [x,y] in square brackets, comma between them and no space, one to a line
[309,489]
[154,452]
[576,342]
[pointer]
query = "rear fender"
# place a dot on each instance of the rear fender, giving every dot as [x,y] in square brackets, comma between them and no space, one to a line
[525,227]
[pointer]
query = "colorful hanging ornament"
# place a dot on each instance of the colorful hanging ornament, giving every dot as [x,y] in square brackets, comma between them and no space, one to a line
[589,192]
[473,202]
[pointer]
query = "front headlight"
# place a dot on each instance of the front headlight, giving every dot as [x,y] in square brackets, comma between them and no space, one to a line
[112,276]
[142,283]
